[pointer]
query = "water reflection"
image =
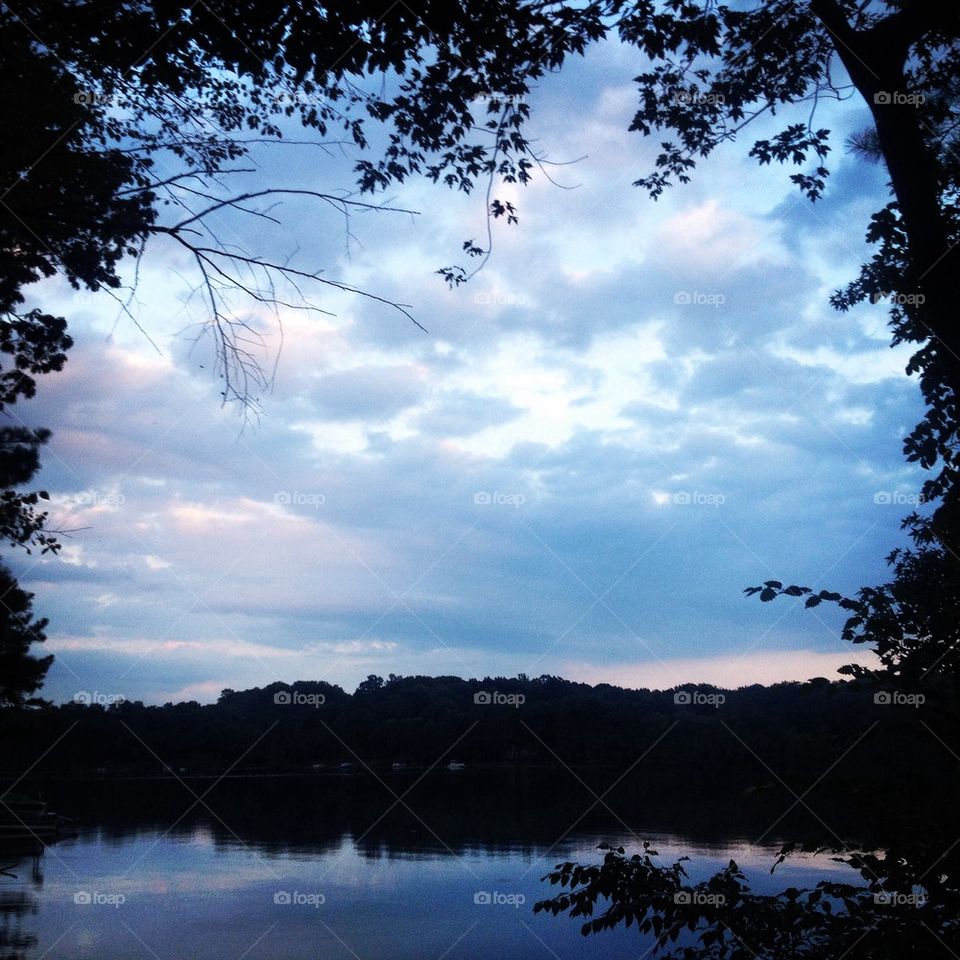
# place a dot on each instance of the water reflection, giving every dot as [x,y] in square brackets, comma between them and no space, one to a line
[442,811]
[340,867]
[20,875]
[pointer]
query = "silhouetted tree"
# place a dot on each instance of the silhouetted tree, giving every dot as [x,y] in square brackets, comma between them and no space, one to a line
[33,343]
[100,103]
[372,684]
[30,344]
[21,673]
[887,918]
[912,622]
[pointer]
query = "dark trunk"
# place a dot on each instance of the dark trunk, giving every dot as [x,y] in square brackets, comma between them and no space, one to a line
[875,60]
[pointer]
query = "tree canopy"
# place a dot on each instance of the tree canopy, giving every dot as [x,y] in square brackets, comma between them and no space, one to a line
[171,85]
[21,672]
[138,128]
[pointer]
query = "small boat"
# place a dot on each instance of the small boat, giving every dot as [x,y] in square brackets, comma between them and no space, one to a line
[17,803]
[454,765]
[24,817]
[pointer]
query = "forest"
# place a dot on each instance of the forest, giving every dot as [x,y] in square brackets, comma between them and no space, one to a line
[749,738]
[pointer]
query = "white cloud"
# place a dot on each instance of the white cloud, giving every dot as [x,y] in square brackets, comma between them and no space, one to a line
[577,383]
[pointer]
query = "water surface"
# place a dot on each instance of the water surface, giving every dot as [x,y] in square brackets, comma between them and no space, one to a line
[345,868]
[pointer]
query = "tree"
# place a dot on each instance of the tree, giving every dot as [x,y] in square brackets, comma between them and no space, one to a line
[722,919]
[912,622]
[372,684]
[36,344]
[21,673]
[193,88]
[99,105]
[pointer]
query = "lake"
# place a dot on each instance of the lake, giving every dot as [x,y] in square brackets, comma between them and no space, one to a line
[339,867]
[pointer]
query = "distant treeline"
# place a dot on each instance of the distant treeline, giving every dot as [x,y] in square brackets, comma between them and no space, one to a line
[755,736]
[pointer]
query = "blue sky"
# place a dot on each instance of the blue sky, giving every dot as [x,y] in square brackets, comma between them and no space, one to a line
[633,412]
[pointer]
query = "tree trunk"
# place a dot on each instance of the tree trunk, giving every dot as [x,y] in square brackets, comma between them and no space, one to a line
[875,60]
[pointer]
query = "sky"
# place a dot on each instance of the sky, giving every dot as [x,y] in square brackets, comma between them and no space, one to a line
[633,412]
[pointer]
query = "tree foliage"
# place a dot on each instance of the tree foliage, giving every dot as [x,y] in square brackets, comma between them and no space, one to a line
[161,86]
[32,344]
[912,622]
[21,673]
[890,915]
[172,86]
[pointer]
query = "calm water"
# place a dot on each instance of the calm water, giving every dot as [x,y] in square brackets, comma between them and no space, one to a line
[284,870]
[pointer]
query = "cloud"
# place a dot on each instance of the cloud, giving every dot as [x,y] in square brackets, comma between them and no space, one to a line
[630,414]
[368,393]
[463,414]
